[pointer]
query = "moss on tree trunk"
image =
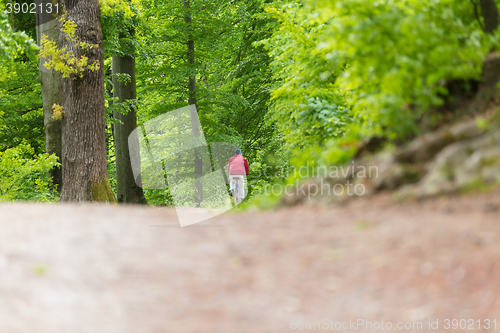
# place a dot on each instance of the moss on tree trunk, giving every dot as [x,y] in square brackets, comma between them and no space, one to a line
[100,190]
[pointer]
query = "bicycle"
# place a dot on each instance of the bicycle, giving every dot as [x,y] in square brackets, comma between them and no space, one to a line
[235,189]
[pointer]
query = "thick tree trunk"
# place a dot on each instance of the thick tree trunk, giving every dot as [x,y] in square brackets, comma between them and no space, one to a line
[198,162]
[84,172]
[50,81]
[489,11]
[126,187]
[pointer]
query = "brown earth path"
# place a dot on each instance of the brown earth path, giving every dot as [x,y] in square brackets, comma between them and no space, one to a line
[110,269]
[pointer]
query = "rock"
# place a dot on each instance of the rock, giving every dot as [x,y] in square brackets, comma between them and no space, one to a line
[462,165]
[443,162]
[425,147]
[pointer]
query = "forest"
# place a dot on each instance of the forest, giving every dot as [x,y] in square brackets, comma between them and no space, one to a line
[291,83]
[249,166]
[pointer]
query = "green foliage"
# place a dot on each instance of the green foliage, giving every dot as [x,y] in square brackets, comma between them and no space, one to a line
[68,29]
[21,114]
[321,119]
[232,71]
[13,44]
[292,82]
[233,79]
[306,107]
[398,55]
[58,111]
[25,175]
[261,201]
[64,59]
[350,69]
[119,19]
[126,9]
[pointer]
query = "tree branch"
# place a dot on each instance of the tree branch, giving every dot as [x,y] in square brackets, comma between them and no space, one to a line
[476,14]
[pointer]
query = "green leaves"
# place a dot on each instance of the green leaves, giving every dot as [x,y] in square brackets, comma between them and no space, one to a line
[322,119]
[21,114]
[398,53]
[233,78]
[13,44]
[63,59]
[308,110]
[24,175]
[347,69]
[384,63]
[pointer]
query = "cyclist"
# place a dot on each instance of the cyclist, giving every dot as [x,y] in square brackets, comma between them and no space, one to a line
[237,167]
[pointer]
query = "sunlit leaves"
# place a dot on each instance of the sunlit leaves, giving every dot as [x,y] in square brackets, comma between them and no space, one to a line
[304,77]
[65,61]
[24,175]
[399,52]
[13,44]
[127,8]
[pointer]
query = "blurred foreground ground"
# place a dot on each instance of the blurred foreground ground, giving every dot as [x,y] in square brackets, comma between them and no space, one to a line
[98,268]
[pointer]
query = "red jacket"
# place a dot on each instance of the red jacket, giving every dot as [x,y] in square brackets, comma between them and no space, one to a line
[237,165]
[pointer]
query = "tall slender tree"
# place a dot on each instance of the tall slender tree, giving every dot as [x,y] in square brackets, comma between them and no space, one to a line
[489,10]
[50,80]
[125,90]
[190,57]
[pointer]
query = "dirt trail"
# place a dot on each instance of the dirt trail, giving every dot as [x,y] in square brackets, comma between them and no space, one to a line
[97,268]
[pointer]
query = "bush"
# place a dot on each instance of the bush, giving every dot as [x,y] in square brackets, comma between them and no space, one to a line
[25,176]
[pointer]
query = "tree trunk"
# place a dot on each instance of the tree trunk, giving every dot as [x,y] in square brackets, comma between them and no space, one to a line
[84,172]
[489,11]
[50,81]
[198,162]
[126,187]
